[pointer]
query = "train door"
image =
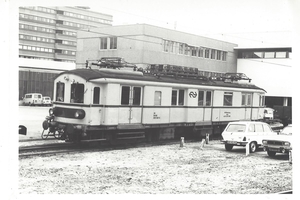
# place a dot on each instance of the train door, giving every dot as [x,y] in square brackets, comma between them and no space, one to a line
[247,103]
[130,111]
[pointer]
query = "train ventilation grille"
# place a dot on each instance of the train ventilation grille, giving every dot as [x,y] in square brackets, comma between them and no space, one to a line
[131,135]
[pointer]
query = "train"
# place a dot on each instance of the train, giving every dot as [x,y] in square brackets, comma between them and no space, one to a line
[117,104]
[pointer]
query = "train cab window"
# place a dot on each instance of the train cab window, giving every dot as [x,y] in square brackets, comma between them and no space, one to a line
[131,95]
[177,99]
[204,98]
[227,101]
[77,93]
[96,95]
[157,98]
[60,91]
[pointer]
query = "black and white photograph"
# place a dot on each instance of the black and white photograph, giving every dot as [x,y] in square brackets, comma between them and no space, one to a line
[149,97]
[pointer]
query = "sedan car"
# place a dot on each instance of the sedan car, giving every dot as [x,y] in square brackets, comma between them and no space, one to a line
[243,132]
[281,143]
[47,101]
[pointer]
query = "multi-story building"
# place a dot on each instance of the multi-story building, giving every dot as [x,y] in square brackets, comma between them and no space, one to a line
[49,34]
[143,44]
[271,69]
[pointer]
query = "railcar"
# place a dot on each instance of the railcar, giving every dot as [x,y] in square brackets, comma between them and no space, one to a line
[121,105]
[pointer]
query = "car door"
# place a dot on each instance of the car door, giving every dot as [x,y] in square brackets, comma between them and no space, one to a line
[260,133]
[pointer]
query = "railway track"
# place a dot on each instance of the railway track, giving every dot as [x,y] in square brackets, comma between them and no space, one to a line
[58,148]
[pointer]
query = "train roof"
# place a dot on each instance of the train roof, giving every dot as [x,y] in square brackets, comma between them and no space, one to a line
[93,74]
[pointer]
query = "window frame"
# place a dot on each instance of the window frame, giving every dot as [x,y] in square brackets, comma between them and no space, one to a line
[180,97]
[230,102]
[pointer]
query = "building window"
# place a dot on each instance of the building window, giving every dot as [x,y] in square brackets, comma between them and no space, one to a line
[224,56]
[269,54]
[194,51]
[227,99]
[113,42]
[218,55]
[206,53]
[213,54]
[177,99]
[261,100]
[166,46]
[200,52]
[157,98]
[181,46]
[96,96]
[187,50]
[103,43]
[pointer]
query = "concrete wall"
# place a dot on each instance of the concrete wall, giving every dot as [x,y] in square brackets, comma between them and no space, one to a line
[274,75]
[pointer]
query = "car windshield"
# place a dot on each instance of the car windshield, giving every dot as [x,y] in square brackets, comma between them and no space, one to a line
[236,128]
[286,131]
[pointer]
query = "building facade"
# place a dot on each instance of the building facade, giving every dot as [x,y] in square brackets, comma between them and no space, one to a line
[271,69]
[49,34]
[143,44]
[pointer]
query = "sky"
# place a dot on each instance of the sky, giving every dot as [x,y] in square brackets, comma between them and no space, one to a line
[248,23]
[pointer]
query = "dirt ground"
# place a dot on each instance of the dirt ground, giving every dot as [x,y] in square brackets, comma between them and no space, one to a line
[166,169]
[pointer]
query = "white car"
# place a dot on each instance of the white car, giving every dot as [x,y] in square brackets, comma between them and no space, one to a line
[281,143]
[32,99]
[242,132]
[47,101]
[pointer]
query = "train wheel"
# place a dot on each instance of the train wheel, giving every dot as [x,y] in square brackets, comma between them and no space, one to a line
[228,147]
[252,147]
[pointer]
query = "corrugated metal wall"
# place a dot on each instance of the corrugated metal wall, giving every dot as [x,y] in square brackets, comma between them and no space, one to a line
[40,82]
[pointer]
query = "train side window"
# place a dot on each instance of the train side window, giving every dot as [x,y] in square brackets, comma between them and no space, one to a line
[261,100]
[201,98]
[246,99]
[177,99]
[227,99]
[96,95]
[157,98]
[204,98]
[174,98]
[77,93]
[136,97]
[125,95]
[181,97]
[60,91]
[208,98]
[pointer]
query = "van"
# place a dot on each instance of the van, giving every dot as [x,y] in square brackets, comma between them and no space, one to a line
[32,99]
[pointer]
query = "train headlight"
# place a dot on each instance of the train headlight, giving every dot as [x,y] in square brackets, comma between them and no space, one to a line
[51,111]
[79,114]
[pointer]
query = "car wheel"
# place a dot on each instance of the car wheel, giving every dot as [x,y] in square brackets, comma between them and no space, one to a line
[228,147]
[271,153]
[252,147]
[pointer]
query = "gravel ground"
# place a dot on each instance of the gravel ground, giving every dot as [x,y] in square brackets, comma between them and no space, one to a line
[166,169]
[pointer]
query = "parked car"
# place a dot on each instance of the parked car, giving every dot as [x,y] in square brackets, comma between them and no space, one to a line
[47,101]
[32,99]
[281,143]
[22,130]
[242,132]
